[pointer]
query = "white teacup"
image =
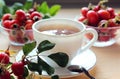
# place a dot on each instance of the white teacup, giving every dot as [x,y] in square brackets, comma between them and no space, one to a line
[70,42]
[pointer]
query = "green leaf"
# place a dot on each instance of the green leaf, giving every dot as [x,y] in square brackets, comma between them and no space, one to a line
[28,4]
[32,66]
[26,73]
[46,16]
[39,70]
[45,45]
[35,67]
[55,77]
[27,48]
[43,8]
[12,77]
[54,9]
[60,58]
[50,70]
[6,9]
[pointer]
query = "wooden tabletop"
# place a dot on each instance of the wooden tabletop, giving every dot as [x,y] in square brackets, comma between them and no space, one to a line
[108,58]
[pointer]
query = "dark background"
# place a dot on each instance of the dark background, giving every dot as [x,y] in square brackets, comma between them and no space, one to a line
[70,3]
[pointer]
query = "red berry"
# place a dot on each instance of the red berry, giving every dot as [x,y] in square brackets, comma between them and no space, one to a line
[20,15]
[6,17]
[93,18]
[111,11]
[18,68]
[4,58]
[7,24]
[29,24]
[5,75]
[112,23]
[96,8]
[35,15]
[84,11]
[10,23]
[104,14]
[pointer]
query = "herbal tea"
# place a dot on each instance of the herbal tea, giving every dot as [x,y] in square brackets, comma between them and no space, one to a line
[59,29]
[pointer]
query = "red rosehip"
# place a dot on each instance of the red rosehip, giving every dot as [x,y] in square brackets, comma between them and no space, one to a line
[5,75]
[35,16]
[20,15]
[4,58]
[6,17]
[104,14]
[18,68]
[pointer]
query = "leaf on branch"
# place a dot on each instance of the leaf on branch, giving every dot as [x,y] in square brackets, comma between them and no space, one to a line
[45,45]
[27,48]
[60,58]
[28,4]
[54,9]
[50,70]
[43,8]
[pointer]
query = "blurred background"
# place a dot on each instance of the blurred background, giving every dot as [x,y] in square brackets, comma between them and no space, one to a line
[69,3]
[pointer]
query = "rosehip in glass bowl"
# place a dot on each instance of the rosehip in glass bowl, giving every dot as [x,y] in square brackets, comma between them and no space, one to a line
[19,26]
[104,20]
[106,36]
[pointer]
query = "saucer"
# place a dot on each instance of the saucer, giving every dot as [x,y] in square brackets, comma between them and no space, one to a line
[86,59]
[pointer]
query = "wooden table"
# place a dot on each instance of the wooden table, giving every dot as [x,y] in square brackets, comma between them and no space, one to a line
[108,58]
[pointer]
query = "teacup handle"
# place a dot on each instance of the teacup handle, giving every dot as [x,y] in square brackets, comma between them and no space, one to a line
[90,43]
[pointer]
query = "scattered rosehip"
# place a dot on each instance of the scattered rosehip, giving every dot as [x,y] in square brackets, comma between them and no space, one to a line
[18,68]
[5,75]
[4,58]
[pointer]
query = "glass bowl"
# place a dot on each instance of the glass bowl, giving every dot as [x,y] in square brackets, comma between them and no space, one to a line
[18,37]
[107,36]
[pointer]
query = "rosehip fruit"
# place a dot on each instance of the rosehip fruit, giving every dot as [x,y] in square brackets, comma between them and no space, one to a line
[92,17]
[29,24]
[7,24]
[35,16]
[4,58]
[84,11]
[104,14]
[6,17]
[20,15]
[18,68]
[5,75]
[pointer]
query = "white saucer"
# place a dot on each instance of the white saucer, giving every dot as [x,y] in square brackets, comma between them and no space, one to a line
[87,59]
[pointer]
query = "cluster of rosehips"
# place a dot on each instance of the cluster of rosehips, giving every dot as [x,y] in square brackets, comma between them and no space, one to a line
[10,69]
[21,19]
[97,14]
[6,68]
[100,18]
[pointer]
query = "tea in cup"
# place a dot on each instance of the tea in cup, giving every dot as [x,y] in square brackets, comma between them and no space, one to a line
[68,35]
